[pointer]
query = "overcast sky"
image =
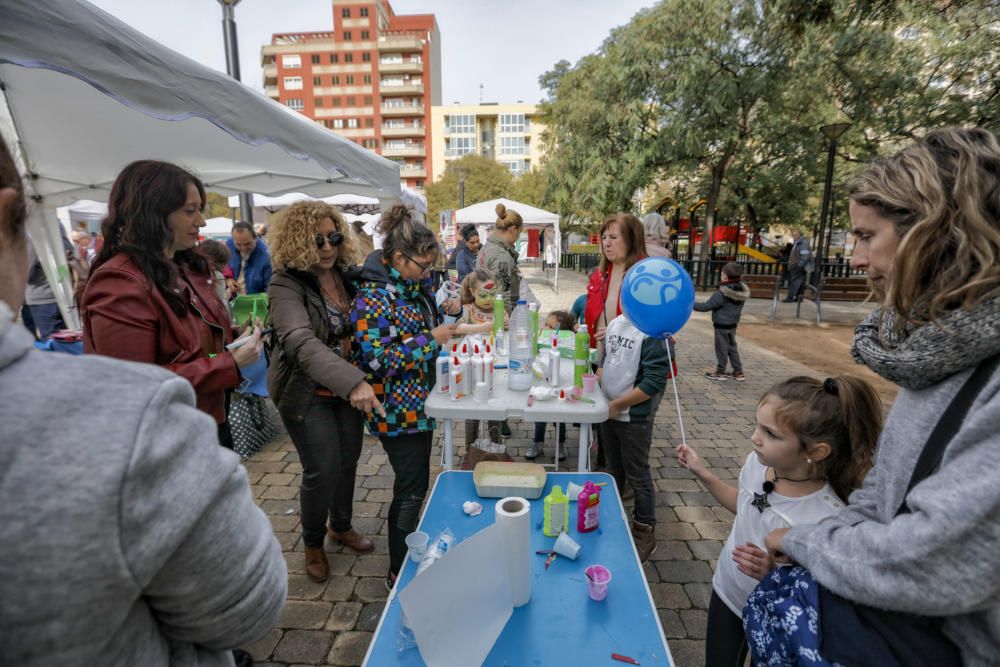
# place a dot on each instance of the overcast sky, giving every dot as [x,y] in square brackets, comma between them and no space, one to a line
[504,45]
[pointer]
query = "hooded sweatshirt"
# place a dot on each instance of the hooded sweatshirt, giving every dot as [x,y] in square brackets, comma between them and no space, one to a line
[130,536]
[726,304]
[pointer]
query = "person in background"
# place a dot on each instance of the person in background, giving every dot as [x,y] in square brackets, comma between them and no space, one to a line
[141,543]
[218,256]
[463,257]
[38,294]
[317,389]
[800,265]
[250,261]
[499,257]
[396,343]
[558,320]
[150,297]
[260,228]
[726,306]
[365,242]
[84,247]
[657,235]
[578,308]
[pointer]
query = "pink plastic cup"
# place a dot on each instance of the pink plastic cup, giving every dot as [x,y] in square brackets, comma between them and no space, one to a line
[598,578]
[589,382]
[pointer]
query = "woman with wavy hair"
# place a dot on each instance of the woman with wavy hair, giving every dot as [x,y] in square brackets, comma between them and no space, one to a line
[319,393]
[150,295]
[920,536]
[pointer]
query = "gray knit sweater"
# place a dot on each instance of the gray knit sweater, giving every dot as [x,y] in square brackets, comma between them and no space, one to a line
[942,558]
[129,536]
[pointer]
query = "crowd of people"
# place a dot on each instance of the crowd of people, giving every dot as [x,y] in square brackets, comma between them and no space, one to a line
[160,556]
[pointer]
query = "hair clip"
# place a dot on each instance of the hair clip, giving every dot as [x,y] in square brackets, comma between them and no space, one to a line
[830,386]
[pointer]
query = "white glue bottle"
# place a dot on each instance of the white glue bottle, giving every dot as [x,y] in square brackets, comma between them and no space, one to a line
[442,372]
[554,360]
[457,380]
[477,366]
[488,361]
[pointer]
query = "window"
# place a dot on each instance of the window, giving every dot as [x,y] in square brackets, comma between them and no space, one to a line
[352,122]
[338,123]
[418,184]
[517,167]
[368,78]
[328,124]
[293,83]
[315,59]
[364,34]
[364,12]
[459,146]
[350,79]
[368,100]
[335,80]
[395,144]
[317,81]
[394,123]
[391,59]
[291,62]
[334,58]
[334,101]
[366,57]
[348,57]
[512,145]
[295,104]
[347,35]
[369,122]
[460,124]
[345,13]
[350,101]
[512,123]
[391,81]
[318,101]
[370,144]
[416,58]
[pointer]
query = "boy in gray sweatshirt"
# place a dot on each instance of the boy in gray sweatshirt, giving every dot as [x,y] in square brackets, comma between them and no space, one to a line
[726,306]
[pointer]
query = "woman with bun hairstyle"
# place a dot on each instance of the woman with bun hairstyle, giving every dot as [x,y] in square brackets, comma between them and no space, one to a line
[499,257]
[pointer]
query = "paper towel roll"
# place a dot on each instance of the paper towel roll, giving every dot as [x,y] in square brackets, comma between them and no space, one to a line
[513,517]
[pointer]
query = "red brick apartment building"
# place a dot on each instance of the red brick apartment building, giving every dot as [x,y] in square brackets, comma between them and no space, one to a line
[372,79]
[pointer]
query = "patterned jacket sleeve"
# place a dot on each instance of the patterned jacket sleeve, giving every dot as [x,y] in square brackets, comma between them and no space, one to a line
[384,351]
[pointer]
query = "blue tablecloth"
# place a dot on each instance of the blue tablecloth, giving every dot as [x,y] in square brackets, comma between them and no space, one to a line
[561,625]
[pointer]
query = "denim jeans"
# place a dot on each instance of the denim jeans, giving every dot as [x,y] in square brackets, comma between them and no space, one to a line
[48,318]
[410,457]
[626,445]
[328,441]
[540,433]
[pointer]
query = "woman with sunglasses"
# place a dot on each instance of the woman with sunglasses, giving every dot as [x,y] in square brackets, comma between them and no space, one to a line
[319,393]
[398,339]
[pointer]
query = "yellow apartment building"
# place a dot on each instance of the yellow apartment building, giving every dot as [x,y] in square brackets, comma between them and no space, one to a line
[507,133]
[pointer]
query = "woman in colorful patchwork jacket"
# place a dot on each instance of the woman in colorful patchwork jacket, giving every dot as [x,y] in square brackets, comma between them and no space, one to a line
[398,340]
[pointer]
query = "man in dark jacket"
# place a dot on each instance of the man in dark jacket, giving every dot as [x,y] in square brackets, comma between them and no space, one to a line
[249,260]
[726,306]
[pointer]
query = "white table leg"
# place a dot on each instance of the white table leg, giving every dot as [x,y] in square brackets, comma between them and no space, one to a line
[449,451]
[581,461]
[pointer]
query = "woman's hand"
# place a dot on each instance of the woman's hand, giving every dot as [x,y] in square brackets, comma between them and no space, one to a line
[599,334]
[443,333]
[688,457]
[774,542]
[248,353]
[363,398]
[452,306]
[753,561]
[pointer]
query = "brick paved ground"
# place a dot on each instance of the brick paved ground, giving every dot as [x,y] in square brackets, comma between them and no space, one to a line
[332,623]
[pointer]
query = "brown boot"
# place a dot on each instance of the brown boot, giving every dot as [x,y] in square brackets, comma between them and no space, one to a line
[317,567]
[645,540]
[354,540]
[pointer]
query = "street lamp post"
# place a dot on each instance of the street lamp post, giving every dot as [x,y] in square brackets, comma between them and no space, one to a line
[461,187]
[832,132]
[233,69]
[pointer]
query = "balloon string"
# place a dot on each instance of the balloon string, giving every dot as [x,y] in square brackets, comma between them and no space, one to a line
[677,398]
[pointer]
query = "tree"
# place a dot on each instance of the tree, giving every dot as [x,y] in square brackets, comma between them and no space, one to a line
[485,179]
[530,188]
[216,206]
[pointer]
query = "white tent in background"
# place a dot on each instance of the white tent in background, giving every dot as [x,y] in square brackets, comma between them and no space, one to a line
[85,94]
[84,212]
[483,215]
[220,228]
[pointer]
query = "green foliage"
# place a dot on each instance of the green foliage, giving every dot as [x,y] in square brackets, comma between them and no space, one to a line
[485,179]
[216,206]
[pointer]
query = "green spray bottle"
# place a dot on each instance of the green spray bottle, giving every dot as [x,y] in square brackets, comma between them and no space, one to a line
[533,320]
[555,516]
[581,355]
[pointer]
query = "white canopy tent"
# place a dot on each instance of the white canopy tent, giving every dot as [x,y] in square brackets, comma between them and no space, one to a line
[84,212]
[483,215]
[85,94]
[348,203]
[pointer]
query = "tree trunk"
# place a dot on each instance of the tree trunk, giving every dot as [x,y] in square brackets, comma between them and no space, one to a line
[718,173]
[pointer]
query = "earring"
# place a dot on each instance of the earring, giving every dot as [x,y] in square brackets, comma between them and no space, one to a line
[809,461]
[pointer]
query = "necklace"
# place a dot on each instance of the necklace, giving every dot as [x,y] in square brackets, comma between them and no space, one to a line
[760,500]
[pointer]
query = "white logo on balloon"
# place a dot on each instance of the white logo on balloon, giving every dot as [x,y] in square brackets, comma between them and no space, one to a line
[656,290]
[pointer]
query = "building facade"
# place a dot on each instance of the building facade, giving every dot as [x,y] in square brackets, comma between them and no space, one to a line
[373,79]
[507,133]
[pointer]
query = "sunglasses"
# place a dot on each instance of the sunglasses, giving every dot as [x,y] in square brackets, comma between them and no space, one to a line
[335,239]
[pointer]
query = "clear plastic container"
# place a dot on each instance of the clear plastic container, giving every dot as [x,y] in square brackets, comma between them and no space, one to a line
[519,349]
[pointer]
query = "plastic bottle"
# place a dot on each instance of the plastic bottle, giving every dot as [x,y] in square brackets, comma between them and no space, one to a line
[436,549]
[498,313]
[477,374]
[555,516]
[554,363]
[519,355]
[533,317]
[581,355]
[588,505]
[488,361]
[442,371]
[457,380]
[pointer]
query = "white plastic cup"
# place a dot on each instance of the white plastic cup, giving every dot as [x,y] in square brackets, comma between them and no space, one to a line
[482,392]
[589,383]
[566,546]
[597,582]
[416,543]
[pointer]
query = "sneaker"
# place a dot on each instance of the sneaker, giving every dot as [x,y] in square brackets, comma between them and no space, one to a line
[390,581]
[713,375]
[739,377]
[534,451]
[505,429]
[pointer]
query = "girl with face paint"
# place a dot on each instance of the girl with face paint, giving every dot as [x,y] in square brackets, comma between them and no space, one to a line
[478,292]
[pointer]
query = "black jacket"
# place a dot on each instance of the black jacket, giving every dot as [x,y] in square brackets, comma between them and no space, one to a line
[726,304]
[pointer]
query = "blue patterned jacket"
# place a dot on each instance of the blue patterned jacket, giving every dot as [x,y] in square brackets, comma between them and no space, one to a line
[393,318]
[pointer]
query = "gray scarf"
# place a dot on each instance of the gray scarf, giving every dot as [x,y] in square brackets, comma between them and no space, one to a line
[921,356]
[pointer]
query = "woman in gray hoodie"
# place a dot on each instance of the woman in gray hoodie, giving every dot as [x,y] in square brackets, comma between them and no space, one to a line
[927,224]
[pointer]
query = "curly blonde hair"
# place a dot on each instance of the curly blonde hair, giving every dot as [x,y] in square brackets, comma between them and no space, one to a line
[293,237]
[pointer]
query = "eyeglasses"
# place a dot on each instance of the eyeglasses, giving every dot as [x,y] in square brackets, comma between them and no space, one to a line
[424,268]
[335,239]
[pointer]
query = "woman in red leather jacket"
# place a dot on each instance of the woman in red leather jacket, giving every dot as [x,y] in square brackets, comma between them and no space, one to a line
[150,295]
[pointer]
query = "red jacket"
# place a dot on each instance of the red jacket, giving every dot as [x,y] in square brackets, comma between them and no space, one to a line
[126,317]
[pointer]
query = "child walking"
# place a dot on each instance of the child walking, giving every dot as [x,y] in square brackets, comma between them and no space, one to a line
[726,306]
[558,320]
[813,445]
[633,372]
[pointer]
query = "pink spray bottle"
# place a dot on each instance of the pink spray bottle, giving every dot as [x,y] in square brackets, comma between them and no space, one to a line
[588,505]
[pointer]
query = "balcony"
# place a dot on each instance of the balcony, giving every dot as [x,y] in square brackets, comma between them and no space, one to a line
[400,43]
[271,91]
[403,131]
[407,151]
[401,68]
[405,110]
[355,132]
[271,70]
[406,171]
[405,89]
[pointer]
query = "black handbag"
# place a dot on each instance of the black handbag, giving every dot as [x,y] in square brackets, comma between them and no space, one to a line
[863,636]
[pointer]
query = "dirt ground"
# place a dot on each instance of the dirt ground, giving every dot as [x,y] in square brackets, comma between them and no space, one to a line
[828,350]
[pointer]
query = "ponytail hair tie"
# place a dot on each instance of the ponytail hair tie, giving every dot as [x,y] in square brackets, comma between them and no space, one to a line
[830,386]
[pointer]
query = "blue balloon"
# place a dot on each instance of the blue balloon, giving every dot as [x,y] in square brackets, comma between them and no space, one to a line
[657,296]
